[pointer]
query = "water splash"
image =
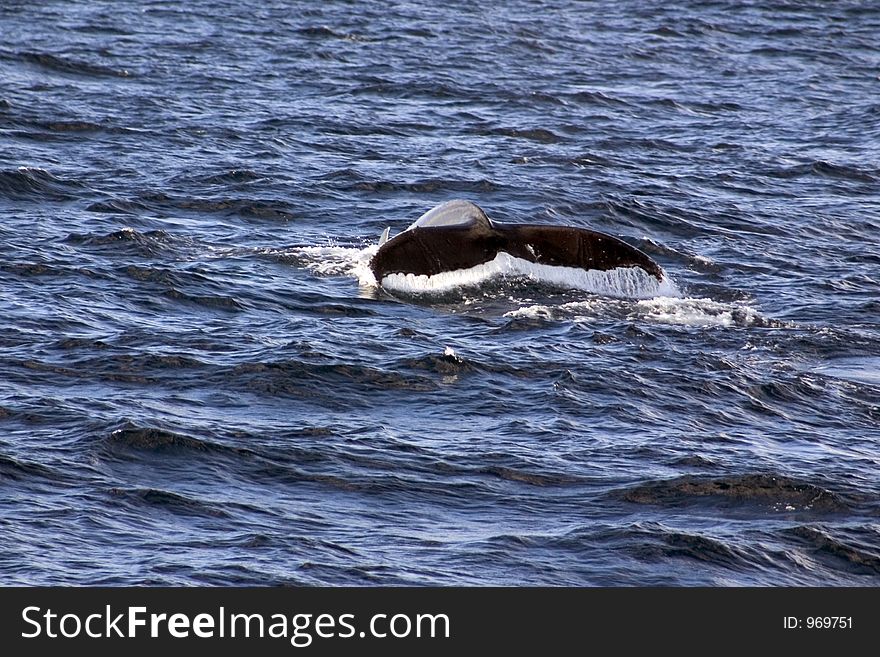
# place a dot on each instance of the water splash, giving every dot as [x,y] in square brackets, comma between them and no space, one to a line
[703,313]
[338,261]
[628,282]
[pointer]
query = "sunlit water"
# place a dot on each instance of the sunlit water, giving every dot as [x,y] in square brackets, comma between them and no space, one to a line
[199,382]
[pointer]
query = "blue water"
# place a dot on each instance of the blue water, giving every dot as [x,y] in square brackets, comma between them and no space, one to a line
[197,385]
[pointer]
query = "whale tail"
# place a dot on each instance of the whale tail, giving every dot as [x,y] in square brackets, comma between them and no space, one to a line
[458,235]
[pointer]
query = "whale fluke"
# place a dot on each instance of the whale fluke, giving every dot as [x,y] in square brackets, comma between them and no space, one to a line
[458,235]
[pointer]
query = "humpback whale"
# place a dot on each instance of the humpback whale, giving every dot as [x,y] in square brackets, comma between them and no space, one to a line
[458,235]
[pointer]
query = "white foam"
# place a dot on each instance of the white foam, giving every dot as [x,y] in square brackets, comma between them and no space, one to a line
[537,311]
[663,310]
[339,261]
[630,282]
[697,312]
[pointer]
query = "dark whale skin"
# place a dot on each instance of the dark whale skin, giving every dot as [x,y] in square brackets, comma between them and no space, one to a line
[432,250]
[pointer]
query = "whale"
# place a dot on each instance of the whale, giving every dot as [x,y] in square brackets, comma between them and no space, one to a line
[458,235]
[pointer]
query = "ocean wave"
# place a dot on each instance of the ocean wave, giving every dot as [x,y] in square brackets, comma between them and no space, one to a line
[71,66]
[773,492]
[858,552]
[14,470]
[147,243]
[34,183]
[168,501]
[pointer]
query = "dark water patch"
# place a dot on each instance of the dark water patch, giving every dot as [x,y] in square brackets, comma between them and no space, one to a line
[42,269]
[304,378]
[231,177]
[71,66]
[593,160]
[74,343]
[247,453]
[138,365]
[832,170]
[861,284]
[660,544]
[334,309]
[353,575]
[51,373]
[227,575]
[71,126]
[768,492]
[533,45]
[346,174]
[578,210]
[531,478]
[152,274]
[407,332]
[600,98]
[448,363]
[859,554]
[104,25]
[126,241]
[531,99]
[368,130]
[163,500]
[12,469]
[262,210]
[375,481]
[321,32]
[695,461]
[213,302]
[782,396]
[650,145]
[675,105]
[667,31]
[412,90]
[116,205]
[34,184]
[826,169]
[72,130]
[40,367]
[541,135]
[272,211]
[641,213]
[805,54]
[727,146]
[428,186]
[156,440]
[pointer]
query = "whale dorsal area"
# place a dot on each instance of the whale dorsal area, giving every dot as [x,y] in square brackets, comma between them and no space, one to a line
[457,213]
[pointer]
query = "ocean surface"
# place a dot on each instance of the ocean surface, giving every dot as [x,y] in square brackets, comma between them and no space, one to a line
[200,384]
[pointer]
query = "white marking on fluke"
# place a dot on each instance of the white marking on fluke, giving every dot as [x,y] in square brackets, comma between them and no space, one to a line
[630,282]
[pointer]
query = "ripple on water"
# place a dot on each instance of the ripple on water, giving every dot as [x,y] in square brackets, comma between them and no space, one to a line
[759,491]
[201,381]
